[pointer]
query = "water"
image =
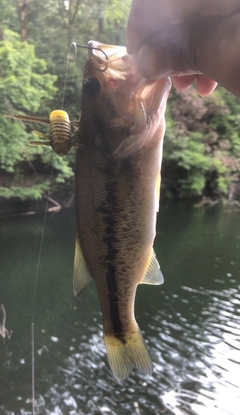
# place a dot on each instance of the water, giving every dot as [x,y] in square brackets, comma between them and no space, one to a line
[191,324]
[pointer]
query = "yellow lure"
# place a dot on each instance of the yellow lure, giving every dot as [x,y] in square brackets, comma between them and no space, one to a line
[60,136]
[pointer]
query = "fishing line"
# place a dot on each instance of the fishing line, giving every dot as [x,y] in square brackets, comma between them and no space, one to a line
[40,252]
[66,73]
[76,45]
[48,195]
[35,290]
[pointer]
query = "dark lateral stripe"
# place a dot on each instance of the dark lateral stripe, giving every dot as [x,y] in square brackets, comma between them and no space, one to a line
[114,303]
[109,213]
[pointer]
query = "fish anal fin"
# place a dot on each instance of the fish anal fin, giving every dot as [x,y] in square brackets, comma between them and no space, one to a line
[81,276]
[123,356]
[153,274]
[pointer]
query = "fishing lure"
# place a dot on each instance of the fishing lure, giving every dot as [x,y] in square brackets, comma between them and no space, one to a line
[60,136]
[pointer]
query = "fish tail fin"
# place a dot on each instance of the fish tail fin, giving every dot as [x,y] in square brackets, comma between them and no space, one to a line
[126,352]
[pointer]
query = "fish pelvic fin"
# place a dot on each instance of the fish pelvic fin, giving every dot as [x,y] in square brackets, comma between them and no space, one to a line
[153,274]
[81,276]
[127,352]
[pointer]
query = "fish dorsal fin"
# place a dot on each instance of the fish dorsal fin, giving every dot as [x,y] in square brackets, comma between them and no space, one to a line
[81,276]
[153,275]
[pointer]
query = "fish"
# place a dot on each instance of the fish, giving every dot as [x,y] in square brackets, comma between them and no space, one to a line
[117,182]
[60,136]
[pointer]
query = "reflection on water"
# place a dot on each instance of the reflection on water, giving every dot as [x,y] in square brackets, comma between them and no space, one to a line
[191,323]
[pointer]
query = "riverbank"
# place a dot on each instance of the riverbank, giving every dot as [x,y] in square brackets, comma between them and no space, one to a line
[57,201]
[53,203]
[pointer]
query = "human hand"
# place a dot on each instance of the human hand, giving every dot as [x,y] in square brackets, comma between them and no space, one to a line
[189,40]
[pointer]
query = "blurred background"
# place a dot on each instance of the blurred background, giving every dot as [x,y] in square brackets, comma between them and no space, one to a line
[191,324]
[202,146]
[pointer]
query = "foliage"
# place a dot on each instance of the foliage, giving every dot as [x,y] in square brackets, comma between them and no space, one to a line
[33,80]
[202,145]
[24,83]
[118,11]
[116,15]
[24,193]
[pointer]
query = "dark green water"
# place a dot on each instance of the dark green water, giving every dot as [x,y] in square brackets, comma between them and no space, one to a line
[191,324]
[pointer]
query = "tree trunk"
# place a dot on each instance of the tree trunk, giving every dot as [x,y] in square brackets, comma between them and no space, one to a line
[100,26]
[22,11]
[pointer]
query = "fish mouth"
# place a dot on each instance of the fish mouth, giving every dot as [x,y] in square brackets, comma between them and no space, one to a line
[111,58]
[102,51]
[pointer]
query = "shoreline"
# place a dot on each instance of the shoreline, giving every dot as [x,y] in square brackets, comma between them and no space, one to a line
[54,202]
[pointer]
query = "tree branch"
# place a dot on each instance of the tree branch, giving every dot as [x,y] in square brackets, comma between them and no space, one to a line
[71,21]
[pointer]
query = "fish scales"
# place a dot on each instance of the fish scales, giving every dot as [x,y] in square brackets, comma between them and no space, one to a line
[116,204]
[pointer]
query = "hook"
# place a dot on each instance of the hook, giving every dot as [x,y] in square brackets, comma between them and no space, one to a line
[92,47]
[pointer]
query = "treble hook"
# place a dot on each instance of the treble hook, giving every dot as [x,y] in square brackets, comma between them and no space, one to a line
[92,47]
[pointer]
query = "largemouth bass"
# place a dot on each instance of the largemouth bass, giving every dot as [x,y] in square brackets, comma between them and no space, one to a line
[118,164]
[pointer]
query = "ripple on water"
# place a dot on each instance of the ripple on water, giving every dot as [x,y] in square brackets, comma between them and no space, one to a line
[205,352]
[192,332]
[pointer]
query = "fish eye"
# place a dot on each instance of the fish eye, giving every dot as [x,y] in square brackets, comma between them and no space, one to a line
[91,86]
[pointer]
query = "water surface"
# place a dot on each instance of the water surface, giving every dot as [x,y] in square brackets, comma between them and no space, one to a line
[191,323]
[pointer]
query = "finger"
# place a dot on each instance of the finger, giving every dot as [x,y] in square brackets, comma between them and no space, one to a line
[167,54]
[217,51]
[149,16]
[205,86]
[207,45]
[183,82]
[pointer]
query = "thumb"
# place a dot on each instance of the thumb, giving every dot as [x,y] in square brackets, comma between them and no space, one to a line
[167,53]
[206,45]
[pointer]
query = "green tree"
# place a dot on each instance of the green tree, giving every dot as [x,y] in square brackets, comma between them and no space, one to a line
[202,145]
[116,16]
[24,84]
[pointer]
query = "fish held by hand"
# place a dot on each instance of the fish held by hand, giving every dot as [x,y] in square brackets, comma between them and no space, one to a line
[118,165]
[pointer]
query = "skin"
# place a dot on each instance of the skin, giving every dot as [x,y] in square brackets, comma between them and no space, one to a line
[191,40]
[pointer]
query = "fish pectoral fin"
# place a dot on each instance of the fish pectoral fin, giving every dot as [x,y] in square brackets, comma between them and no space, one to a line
[81,277]
[139,134]
[127,353]
[153,275]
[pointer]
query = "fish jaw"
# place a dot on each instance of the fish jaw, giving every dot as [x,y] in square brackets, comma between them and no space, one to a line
[117,78]
[111,58]
[128,106]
